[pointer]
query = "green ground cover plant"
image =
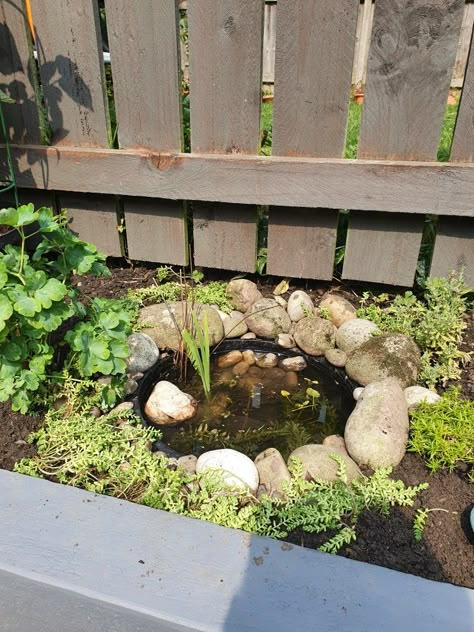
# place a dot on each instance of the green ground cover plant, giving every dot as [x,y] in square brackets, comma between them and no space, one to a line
[443,433]
[436,323]
[111,455]
[37,299]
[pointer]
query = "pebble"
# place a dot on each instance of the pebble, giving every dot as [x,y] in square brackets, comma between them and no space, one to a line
[229,359]
[298,363]
[130,387]
[240,368]
[268,361]
[143,352]
[358,392]
[285,340]
[291,379]
[249,357]
[336,357]
[248,336]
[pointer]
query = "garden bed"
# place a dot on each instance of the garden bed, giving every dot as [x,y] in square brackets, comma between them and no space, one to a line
[444,553]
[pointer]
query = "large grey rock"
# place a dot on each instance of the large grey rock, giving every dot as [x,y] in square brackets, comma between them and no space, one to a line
[142,353]
[353,333]
[166,322]
[340,310]
[235,469]
[415,395]
[336,357]
[243,294]
[299,305]
[268,319]
[314,335]
[273,472]
[388,355]
[318,464]
[168,405]
[234,325]
[376,432]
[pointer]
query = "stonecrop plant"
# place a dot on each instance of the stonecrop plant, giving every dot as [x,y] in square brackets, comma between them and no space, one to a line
[37,298]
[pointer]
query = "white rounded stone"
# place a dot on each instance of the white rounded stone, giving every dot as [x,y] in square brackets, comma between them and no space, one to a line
[236,469]
[417,394]
[353,333]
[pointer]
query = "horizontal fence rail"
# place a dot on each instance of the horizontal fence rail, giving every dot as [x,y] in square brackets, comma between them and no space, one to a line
[146,168]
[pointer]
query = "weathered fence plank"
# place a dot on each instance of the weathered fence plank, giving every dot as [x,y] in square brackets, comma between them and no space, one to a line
[69,49]
[225,42]
[16,66]
[411,60]
[269,38]
[402,186]
[314,48]
[156,230]
[143,42]
[463,140]
[462,53]
[301,242]
[454,248]
[410,65]
[94,218]
[225,236]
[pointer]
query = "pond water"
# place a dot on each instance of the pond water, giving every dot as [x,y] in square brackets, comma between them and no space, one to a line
[266,407]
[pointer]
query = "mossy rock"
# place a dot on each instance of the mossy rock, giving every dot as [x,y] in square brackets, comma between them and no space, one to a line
[266,318]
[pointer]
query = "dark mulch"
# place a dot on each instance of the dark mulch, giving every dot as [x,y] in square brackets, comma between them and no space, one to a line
[444,554]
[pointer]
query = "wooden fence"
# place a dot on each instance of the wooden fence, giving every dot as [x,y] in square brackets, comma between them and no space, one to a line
[148,196]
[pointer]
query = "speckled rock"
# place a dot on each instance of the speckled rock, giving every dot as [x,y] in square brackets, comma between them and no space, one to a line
[388,355]
[340,310]
[281,301]
[267,319]
[166,322]
[188,463]
[297,363]
[273,473]
[315,335]
[235,468]
[299,305]
[168,405]
[336,357]
[267,361]
[414,395]
[353,333]
[243,294]
[376,432]
[234,325]
[143,353]
[285,340]
[319,465]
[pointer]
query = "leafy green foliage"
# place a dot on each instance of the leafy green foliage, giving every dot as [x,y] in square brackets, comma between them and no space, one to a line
[436,324]
[111,455]
[443,433]
[37,298]
[197,348]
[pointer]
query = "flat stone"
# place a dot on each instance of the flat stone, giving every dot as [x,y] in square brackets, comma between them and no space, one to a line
[336,357]
[243,294]
[122,407]
[340,310]
[248,336]
[376,432]
[296,363]
[353,333]
[235,468]
[319,465]
[415,395]
[229,359]
[299,305]
[143,353]
[315,335]
[273,473]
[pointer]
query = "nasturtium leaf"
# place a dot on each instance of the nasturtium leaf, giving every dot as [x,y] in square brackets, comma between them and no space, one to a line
[26,215]
[27,305]
[53,290]
[34,278]
[9,216]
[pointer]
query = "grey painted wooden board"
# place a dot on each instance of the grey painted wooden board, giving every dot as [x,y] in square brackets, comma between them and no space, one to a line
[93,218]
[382,251]
[313,66]
[463,140]
[85,551]
[143,40]
[156,230]
[410,65]
[21,117]
[301,242]
[408,187]
[72,72]
[225,43]
[454,248]
[225,236]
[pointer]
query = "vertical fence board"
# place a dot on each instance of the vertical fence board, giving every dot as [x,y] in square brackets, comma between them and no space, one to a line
[225,236]
[225,43]
[69,48]
[381,249]
[313,66]
[269,38]
[156,230]
[463,140]
[410,65]
[143,40]
[361,53]
[21,117]
[94,218]
[454,248]
[301,242]
[463,47]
